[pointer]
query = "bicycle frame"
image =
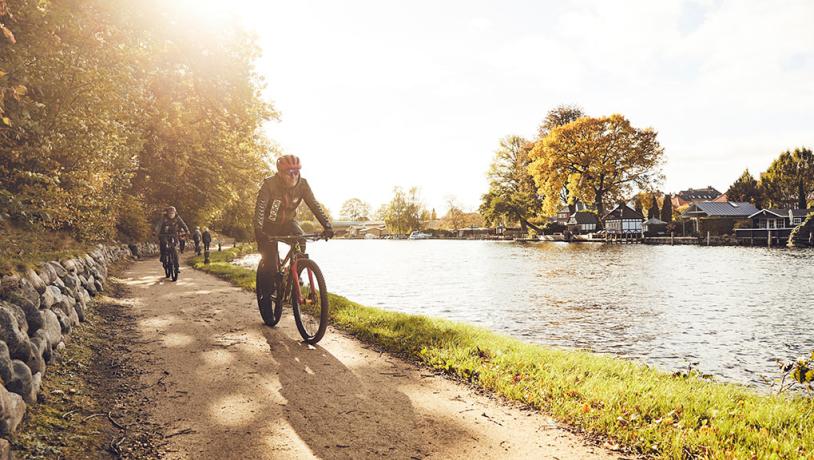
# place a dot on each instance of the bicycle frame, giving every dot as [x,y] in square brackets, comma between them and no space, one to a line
[291,258]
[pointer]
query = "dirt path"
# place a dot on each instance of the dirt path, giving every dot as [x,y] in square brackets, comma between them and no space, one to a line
[225,386]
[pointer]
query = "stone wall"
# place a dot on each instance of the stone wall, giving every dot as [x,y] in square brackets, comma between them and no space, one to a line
[38,309]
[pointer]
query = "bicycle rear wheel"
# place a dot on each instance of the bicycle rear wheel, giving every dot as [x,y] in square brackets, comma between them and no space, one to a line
[311,314]
[269,297]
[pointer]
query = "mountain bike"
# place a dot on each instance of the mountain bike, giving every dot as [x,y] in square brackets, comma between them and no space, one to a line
[298,281]
[170,262]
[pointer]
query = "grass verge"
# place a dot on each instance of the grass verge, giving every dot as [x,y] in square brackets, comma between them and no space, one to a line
[22,249]
[646,410]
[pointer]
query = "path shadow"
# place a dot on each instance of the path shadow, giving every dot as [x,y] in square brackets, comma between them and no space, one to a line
[249,391]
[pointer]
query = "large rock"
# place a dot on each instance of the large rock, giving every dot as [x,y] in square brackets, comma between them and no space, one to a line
[80,307]
[6,371]
[40,342]
[19,315]
[69,265]
[98,284]
[64,321]
[67,291]
[12,410]
[91,287]
[36,319]
[24,293]
[59,269]
[52,328]
[47,273]
[36,281]
[31,356]
[51,296]
[83,297]
[10,329]
[71,311]
[22,382]
[9,283]
[5,450]
[98,256]
[89,262]
[27,301]
[72,281]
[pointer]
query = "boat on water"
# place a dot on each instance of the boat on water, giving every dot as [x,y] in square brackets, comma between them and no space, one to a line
[417,235]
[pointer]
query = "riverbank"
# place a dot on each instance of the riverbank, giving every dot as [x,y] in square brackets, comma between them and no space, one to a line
[652,412]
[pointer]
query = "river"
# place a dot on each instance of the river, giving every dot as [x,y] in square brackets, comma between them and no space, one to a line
[729,311]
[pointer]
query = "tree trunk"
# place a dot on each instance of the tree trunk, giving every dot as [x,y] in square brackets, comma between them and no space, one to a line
[600,210]
[801,196]
[524,224]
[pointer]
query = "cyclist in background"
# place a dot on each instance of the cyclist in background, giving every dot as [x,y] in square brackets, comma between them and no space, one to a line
[170,225]
[275,211]
[196,238]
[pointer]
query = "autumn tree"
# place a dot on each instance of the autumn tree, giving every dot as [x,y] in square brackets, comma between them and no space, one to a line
[599,160]
[638,204]
[512,195]
[667,209]
[556,117]
[118,109]
[354,209]
[455,216]
[789,180]
[403,213]
[745,189]
[559,116]
[653,209]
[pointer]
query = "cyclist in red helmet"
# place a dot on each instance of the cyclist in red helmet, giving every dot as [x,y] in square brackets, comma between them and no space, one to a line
[276,208]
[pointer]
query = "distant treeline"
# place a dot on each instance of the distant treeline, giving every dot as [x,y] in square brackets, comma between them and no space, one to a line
[111,110]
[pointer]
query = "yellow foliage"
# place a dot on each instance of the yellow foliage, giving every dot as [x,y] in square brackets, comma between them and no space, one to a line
[598,160]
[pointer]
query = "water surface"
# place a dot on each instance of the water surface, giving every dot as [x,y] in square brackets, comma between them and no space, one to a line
[731,310]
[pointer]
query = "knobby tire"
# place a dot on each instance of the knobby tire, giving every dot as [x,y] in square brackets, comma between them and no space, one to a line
[303,265]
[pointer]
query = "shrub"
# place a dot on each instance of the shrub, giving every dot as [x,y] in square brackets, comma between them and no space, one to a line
[132,225]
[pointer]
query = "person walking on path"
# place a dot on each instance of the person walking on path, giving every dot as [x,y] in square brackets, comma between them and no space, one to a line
[196,238]
[206,237]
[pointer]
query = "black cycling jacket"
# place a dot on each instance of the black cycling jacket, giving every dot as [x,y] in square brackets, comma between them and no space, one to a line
[167,226]
[277,205]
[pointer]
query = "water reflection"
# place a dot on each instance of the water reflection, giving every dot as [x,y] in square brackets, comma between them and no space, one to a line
[732,310]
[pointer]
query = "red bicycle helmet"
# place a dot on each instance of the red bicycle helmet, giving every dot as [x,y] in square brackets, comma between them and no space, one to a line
[288,163]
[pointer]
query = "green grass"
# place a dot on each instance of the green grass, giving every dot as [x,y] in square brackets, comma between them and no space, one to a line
[22,249]
[646,410]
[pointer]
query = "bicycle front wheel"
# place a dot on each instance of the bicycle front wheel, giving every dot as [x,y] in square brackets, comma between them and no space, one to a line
[175,267]
[311,305]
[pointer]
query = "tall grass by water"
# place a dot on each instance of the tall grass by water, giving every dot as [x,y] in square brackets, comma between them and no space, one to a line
[633,405]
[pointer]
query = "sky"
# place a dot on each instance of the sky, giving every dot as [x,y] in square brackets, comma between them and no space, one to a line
[378,94]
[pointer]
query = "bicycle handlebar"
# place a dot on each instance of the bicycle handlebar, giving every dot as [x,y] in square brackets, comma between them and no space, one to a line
[305,236]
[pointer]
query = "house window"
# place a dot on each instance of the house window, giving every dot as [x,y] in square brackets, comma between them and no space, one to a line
[798,220]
